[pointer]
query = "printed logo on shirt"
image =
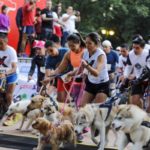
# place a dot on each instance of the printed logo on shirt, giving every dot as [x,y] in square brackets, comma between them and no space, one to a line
[138,66]
[2,61]
[124,63]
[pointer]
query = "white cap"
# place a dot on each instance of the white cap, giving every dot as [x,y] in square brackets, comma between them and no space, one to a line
[106,43]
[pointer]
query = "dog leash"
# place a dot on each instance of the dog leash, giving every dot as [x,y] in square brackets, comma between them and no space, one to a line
[68,93]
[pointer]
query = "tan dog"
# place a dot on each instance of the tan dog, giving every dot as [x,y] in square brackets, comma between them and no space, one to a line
[54,135]
[36,103]
[32,113]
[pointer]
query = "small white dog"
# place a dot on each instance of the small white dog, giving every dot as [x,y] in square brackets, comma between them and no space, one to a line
[97,119]
[130,121]
[18,107]
[21,107]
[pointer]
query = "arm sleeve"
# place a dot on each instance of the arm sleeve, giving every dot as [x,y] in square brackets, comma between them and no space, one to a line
[32,68]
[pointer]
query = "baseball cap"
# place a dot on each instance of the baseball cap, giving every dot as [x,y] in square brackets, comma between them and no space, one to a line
[38,44]
[106,43]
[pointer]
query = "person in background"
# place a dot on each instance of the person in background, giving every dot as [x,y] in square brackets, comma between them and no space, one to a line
[136,61]
[118,49]
[124,51]
[112,60]
[4,20]
[58,23]
[69,19]
[57,42]
[48,17]
[39,61]
[28,23]
[19,17]
[55,57]
[8,71]
[72,57]
[38,24]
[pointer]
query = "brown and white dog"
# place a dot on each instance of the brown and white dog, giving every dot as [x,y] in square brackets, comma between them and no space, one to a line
[54,135]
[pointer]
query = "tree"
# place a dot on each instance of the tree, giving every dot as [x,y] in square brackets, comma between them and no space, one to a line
[125,17]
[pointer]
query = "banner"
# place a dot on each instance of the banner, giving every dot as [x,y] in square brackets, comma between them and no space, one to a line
[25,90]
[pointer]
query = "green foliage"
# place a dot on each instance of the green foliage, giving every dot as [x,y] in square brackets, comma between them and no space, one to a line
[125,17]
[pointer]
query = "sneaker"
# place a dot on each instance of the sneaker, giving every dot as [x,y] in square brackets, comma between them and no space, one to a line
[80,138]
[12,119]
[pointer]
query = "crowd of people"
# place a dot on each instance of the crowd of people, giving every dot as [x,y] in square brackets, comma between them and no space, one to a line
[59,49]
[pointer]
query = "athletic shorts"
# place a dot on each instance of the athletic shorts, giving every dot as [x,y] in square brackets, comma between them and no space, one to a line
[61,85]
[139,89]
[10,79]
[97,88]
[29,30]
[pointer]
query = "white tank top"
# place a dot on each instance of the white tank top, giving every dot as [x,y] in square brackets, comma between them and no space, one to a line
[103,75]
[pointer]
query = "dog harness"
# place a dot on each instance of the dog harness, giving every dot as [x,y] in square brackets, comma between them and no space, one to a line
[46,138]
[108,104]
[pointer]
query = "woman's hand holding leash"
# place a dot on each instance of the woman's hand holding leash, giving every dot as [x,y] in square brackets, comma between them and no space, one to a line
[84,63]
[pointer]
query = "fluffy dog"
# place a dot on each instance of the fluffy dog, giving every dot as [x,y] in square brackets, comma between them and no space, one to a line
[97,119]
[130,121]
[54,135]
[50,106]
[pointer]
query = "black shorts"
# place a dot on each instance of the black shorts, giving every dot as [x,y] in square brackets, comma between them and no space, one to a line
[97,88]
[138,89]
